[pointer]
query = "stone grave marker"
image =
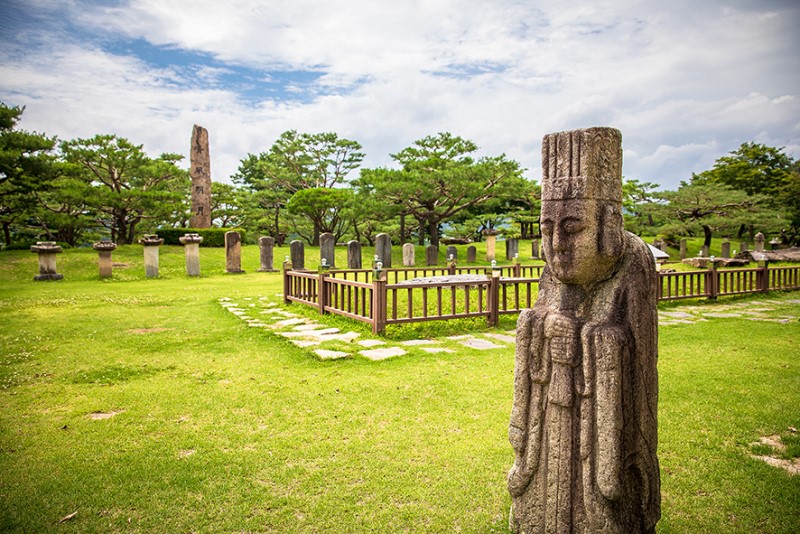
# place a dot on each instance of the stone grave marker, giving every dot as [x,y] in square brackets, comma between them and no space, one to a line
[354,255]
[408,255]
[683,249]
[233,252]
[512,248]
[472,254]
[431,255]
[200,171]
[726,249]
[535,248]
[266,249]
[327,250]
[451,253]
[297,254]
[383,249]
[759,239]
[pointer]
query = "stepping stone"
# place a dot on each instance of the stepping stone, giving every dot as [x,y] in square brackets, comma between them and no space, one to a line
[272,310]
[311,333]
[464,336]
[290,322]
[792,301]
[722,315]
[257,324]
[225,299]
[502,337]
[512,332]
[434,350]
[347,337]
[480,344]
[304,327]
[371,342]
[677,314]
[382,354]
[330,354]
[238,313]
[413,342]
[305,342]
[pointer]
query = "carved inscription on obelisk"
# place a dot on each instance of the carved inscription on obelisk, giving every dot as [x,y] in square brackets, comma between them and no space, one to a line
[200,172]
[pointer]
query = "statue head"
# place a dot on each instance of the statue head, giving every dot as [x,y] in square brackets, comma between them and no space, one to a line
[581,218]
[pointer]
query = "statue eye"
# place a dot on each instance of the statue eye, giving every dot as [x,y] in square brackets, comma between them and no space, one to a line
[547,228]
[572,227]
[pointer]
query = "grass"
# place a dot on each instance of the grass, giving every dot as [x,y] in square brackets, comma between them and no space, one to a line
[211,426]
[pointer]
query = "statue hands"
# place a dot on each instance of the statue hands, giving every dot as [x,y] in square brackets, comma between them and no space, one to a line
[560,325]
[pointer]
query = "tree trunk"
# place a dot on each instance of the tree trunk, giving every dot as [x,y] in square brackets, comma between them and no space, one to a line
[707,232]
[402,228]
[742,230]
[421,226]
[433,231]
[7,232]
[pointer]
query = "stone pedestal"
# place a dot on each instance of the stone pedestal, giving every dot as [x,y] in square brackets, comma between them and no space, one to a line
[759,239]
[408,255]
[266,248]
[535,249]
[451,253]
[383,249]
[490,244]
[47,251]
[233,253]
[472,254]
[683,249]
[354,255]
[104,247]
[191,251]
[726,249]
[431,255]
[151,242]
[512,248]
[327,250]
[297,253]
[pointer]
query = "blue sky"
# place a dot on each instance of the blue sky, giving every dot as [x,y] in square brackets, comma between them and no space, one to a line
[684,81]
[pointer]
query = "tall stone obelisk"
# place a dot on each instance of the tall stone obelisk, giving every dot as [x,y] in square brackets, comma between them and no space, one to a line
[200,161]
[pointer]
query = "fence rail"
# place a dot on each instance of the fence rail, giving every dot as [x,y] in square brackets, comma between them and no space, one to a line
[395,298]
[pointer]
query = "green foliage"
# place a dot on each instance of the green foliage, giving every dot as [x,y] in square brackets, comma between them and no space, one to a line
[324,207]
[212,237]
[753,168]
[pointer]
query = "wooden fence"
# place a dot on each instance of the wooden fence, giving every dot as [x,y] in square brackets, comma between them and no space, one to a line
[395,297]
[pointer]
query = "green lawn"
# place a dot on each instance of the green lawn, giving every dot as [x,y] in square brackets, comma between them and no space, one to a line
[144,406]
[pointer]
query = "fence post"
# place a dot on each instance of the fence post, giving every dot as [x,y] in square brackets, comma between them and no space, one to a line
[287,287]
[659,286]
[712,281]
[517,270]
[493,297]
[762,281]
[379,303]
[323,292]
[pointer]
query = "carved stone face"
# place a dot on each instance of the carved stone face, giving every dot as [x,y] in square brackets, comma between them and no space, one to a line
[573,240]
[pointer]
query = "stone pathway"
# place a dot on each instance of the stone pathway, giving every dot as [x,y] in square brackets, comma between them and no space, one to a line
[772,310]
[330,343]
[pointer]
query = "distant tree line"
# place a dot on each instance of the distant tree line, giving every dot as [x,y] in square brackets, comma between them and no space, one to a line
[77,191]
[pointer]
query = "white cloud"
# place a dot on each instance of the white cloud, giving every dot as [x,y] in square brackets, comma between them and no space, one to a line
[685,82]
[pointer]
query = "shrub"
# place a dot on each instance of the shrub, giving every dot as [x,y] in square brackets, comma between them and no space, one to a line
[212,237]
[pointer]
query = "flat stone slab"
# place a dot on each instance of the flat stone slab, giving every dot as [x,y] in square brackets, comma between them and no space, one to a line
[311,333]
[413,342]
[434,350]
[676,314]
[502,337]
[463,336]
[480,344]
[305,342]
[304,327]
[382,354]
[347,336]
[722,315]
[792,301]
[371,342]
[330,354]
[290,322]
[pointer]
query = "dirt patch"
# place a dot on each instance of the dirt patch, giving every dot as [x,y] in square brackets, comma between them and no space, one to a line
[791,466]
[147,330]
[186,453]
[778,448]
[98,416]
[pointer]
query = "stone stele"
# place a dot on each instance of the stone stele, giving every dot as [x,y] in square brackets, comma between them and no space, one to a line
[200,171]
[583,421]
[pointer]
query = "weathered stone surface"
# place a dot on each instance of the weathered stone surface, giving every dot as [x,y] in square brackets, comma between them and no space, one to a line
[725,249]
[104,248]
[408,255]
[512,248]
[191,250]
[383,249]
[200,171]
[759,239]
[431,255]
[535,248]
[683,249]
[743,246]
[47,251]
[451,253]
[233,252]
[490,245]
[583,422]
[327,249]
[353,255]
[382,354]
[480,344]
[151,242]
[472,254]
[266,249]
[297,254]
[505,338]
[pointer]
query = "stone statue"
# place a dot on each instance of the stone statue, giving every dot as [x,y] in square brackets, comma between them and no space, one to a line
[583,422]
